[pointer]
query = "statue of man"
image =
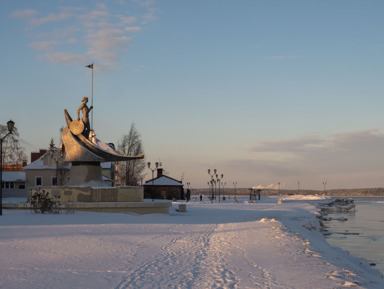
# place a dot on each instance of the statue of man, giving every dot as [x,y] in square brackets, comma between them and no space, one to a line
[85,110]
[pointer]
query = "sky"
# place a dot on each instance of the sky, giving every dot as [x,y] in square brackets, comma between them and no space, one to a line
[266,92]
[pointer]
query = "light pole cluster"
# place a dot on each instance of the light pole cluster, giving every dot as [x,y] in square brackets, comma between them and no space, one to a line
[212,182]
[215,179]
[10,125]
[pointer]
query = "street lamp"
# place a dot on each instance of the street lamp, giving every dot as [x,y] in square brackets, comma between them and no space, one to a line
[10,125]
[235,184]
[153,170]
[212,175]
[213,181]
[324,184]
[219,180]
[223,184]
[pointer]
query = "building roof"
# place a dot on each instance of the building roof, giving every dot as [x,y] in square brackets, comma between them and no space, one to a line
[163,181]
[14,176]
[39,163]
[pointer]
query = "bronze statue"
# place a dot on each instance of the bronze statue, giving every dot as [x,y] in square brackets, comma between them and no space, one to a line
[85,110]
[79,147]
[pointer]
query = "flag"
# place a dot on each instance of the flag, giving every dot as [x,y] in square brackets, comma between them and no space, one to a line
[90,66]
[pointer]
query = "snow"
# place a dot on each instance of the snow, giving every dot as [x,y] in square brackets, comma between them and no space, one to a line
[212,245]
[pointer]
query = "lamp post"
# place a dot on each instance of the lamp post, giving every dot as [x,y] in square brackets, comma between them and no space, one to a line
[219,180]
[209,187]
[153,170]
[324,184]
[223,184]
[213,181]
[10,125]
[235,184]
[212,175]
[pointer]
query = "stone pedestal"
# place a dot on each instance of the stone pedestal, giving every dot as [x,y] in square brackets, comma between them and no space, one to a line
[92,194]
[83,174]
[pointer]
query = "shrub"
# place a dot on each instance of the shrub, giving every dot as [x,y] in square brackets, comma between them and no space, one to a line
[41,202]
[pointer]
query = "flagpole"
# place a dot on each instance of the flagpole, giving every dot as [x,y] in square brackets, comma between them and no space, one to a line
[92,101]
[91,67]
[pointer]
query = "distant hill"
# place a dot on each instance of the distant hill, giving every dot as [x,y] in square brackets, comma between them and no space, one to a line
[368,192]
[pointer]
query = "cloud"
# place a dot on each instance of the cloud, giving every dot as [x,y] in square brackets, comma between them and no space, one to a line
[50,18]
[104,44]
[24,14]
[132,29]
[67,58]
[303,144]
[348,158]
[44,45]
[100,35]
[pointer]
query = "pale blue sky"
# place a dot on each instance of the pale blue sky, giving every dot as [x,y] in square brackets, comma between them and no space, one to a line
[263,91]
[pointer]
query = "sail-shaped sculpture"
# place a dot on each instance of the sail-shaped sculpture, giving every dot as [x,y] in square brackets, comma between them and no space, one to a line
[87,154]
[78,148]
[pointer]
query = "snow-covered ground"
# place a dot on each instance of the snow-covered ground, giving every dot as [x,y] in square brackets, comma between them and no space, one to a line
[219,245]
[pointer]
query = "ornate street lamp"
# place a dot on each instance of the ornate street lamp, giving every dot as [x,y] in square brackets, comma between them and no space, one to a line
[324,184]
[235,184]
[219,180]
[153,170]
[10,125]
[212,175]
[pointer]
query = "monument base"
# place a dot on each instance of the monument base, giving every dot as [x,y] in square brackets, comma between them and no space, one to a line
[108,200]
[146,207]
[96,194]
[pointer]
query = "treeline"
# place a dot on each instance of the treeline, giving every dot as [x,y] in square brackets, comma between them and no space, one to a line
[368,192]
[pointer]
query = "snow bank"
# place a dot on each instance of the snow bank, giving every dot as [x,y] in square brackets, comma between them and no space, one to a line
[219,245]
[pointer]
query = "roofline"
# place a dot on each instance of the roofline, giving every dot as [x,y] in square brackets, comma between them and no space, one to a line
[165,177]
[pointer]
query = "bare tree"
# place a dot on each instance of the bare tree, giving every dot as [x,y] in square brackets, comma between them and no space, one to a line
[13,153]
[130,172]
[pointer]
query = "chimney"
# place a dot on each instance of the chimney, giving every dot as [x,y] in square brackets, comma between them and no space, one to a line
[159,172]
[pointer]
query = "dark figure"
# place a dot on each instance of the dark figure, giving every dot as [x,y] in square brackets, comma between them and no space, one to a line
[201,198]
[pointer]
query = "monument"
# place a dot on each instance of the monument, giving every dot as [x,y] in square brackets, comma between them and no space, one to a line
[85,188]
[85,151]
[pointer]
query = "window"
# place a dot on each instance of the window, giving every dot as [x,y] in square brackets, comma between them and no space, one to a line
[8,185]
[38,181]
[54,181]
